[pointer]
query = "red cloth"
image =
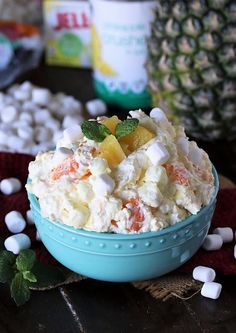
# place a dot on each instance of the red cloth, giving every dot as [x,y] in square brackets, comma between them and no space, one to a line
[223,261]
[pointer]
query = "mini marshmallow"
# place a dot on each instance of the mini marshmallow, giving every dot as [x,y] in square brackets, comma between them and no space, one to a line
[10,185]
[26,133]
[73,134]
[16,143]
[21,95]
[17,243]
[183,145]
[226,234]
[103,185]
[70,105]
[70,121]
[29,217]
[211,290]
[41,116]
[195,155]
[158,114]
[26,116]
[42,134]
[26,86]
[235,251]
[96,107]
[41,96]
[53,124]
[15,222]
[204,274]
[157,153]
[9,114]
[60,154]
[212,242]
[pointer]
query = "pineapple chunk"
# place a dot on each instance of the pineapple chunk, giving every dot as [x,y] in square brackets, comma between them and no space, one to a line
[111,150]
[111,123]
[137,138]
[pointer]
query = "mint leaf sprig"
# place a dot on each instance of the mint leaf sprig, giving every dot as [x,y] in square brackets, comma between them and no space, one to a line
[126,127]
[98,132]
[24,272]
[94,130]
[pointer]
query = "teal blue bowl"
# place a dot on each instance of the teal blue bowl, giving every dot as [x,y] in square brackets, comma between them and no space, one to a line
[125,257]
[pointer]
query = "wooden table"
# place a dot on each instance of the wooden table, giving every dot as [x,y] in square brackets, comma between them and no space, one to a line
[92,306]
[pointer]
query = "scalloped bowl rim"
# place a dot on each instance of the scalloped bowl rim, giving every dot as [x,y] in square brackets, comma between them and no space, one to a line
[118,236]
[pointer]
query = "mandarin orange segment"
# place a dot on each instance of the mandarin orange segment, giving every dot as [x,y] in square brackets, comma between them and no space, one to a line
[137,138]
[65,168]
[111,150]
[111,123]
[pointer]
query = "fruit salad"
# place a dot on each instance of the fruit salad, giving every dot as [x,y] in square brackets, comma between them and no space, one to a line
[137,175]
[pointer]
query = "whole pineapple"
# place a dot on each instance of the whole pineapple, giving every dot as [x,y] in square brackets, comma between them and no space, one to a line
[192,65]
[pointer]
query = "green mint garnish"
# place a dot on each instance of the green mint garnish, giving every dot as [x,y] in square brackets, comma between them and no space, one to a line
[95,131]
[27,275]
[20,289]
[126,127]
[7,261]
[25,260]
[24,272]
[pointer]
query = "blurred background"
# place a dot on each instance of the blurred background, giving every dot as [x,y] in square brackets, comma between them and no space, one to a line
[178,55]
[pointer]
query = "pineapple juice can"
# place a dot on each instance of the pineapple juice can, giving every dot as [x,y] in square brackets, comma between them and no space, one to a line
[119,51]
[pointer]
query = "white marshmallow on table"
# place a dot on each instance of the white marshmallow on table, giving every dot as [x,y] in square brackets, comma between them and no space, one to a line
[157,153]
[235,251]
[9,114]
[29,217]
[96,107]
[41,147]
[73,133]
[53,124]
[41,96]
[158,114]
[204,274]
[10,185]
[42,134]
[70,105]
[69,121]
[41,116]
[60,154]
[212,242]
[195,155]
[17,243]
[211,290]
[15,222]
[26,86]
[103,185]
[4,135]
[26,133]
[21,95]
[26,116]
[226,234]
[15,143]
[183,145]
[28,106]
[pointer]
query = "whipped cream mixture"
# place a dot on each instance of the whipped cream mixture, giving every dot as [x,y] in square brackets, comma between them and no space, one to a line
[155,186]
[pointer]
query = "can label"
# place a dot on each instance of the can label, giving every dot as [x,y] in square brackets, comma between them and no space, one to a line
[119,32]
[68,33]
